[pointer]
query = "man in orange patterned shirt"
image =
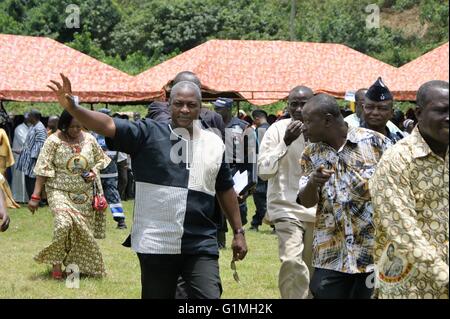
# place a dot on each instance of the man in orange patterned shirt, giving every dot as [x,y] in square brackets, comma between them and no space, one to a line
[410,197]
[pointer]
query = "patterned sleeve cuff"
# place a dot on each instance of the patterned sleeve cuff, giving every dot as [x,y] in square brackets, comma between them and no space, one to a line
[303,182]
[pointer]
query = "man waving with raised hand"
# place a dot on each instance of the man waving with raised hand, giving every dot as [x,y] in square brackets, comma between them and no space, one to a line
[179,168]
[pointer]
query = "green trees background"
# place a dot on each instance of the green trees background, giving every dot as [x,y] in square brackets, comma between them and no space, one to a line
[133,35]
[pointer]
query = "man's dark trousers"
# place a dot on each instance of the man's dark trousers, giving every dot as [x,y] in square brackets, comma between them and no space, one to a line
[330,284]
[160,273]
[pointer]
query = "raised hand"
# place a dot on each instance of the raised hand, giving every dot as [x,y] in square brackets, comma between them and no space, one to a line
[63,92]
[293,131]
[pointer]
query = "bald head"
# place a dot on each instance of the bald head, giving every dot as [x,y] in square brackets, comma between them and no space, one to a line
[322,118]
[429,91]
[297,98]
[323,104]
[187,76]
[302,91]
[360,96]
[52,123]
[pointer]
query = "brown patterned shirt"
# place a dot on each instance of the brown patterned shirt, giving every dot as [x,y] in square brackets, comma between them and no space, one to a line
[343,235]
[410,197]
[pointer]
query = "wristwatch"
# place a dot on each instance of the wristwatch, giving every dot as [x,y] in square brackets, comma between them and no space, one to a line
[239,231]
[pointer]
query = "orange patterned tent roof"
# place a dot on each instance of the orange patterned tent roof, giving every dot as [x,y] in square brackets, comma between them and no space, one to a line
[264,72]
[27,64]
[430,66]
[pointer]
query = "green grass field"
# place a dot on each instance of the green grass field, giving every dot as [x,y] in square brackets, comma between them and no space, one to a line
[22,277]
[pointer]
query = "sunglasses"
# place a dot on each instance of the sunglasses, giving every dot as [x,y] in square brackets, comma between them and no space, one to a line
[235,274]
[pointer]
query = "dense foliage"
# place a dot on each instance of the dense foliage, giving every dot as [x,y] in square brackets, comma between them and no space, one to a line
[134,35]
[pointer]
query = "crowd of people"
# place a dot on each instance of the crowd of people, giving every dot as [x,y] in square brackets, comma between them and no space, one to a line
[358,202]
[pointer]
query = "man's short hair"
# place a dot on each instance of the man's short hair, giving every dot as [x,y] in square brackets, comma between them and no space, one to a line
[35,114]
[187,76]
[259,113]
[425,89]
[185,85]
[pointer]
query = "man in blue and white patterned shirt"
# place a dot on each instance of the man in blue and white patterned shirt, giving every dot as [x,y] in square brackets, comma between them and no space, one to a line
[32,147]
[179,169]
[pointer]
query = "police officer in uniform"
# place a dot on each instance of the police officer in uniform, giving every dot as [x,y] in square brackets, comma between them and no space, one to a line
[240,143]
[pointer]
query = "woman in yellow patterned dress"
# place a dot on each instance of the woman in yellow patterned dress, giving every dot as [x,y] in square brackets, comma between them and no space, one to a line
[6,160]
[68,165]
